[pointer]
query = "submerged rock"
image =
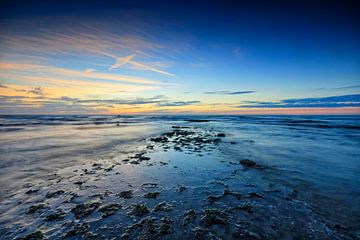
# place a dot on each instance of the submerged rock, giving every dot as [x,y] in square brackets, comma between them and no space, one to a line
[248,163]
[126,194]
[164,227]
[214,216]
[247,207]
[188,216]
[83,210]
[163,206]
[237,195]
[181,188]
[148,229]
[255,195]
[204,234]
[212,199]
[31,191]
[138,210]
[109,209]
[53,194]
[152,195]
[36,207]
[77,229]
[55,216]
[38,235]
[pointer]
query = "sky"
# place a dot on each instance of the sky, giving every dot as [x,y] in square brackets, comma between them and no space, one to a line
[180,57]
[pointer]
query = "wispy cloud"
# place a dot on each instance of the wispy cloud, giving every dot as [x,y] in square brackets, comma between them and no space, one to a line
[35,69]
[324,102]
[228,92]
[120,61]
[36,91]
[178,104]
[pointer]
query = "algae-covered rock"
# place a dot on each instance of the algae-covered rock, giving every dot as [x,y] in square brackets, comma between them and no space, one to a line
[54,194]
[214,216]
[248,163]
[109,209]
[152,195]
[212,199]
[35,208]
[77,229]
[83,210]
[55,216]
[163,206]
[138,210]
[126,194]
[38,235]
[247,207]
[188,216]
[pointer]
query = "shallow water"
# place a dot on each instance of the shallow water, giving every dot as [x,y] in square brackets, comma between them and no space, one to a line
[305,183]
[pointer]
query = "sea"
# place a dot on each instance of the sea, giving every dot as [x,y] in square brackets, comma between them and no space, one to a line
[192,176]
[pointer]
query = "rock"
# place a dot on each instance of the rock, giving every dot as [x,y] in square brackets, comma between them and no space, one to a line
[147,229]
[109,209]
[142,158]
[55,216]
[248,163]
[152,195]
[255,195]
[237,195]
[188,216]
[164,227]
[212,199]
[126,194]
[159,139]
[214,216]
[247,207]
[181,188]
[204,234]
[138,210]
[38,235]
[149,185]
[79,182]
[246,235]
[53,194]
[83,210]
[31,191]
[292,195]
[221,135]
[163,206]
[35,208]
[77,229]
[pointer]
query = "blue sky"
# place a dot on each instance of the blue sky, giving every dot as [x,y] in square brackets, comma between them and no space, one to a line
[108,57]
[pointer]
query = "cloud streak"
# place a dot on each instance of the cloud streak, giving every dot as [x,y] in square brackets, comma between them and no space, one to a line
[121,61]
[324,102]
[228,92]
[178,104]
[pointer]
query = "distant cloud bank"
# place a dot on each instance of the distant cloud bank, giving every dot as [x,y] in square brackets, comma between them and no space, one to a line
[324,102]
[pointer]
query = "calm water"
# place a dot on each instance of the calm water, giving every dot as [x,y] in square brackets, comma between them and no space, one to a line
[308,179]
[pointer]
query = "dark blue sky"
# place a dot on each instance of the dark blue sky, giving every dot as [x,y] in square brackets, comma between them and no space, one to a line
[273,50]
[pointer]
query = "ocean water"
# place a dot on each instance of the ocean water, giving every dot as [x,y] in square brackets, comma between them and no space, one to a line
[305,184]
